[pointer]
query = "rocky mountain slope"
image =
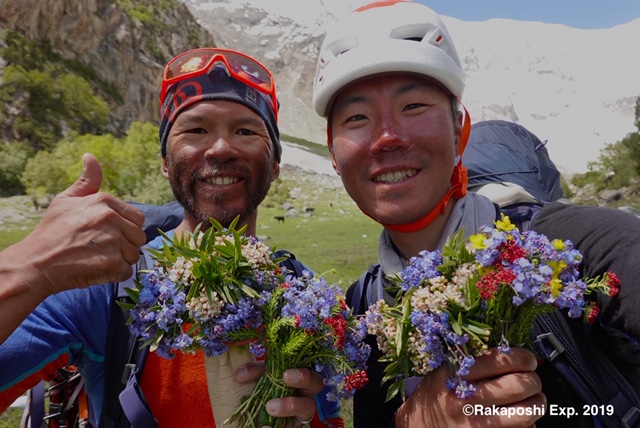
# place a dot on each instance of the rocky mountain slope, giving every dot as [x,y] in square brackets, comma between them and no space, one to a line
[126,44]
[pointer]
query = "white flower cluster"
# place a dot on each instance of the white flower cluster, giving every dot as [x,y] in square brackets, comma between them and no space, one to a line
[257,254]
[385,330]
[438,291]
[202,309]
[181,271]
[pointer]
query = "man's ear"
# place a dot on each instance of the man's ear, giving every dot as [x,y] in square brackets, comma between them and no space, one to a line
[164,168]
[460,117]
[276,169]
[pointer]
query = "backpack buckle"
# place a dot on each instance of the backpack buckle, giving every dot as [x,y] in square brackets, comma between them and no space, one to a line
[129,370]
[631,419]
[555,343]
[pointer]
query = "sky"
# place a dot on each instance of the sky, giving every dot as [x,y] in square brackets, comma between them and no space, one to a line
[585,14]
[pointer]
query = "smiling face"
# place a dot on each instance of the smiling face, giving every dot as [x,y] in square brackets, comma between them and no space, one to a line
[219,163]
[394,144]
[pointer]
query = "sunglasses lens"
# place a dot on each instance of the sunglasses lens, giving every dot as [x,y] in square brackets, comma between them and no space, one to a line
[249,70]
[188,63]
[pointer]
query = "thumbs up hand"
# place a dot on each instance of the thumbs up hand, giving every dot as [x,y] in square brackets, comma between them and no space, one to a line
[85,237]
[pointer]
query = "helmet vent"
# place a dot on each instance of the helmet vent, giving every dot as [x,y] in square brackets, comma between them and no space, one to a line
[416,32]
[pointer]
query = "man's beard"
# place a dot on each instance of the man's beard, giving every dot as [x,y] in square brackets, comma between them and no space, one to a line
[256,187]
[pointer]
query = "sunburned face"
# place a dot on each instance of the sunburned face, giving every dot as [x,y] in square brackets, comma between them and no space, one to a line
[394,144]
[219,162]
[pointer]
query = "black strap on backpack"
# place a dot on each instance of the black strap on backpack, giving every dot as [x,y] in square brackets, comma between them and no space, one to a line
[125,355]
[562,342]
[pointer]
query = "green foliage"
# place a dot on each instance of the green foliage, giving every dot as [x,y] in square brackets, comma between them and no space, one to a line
[13,158]
[126,163]
[51,103]
[29,54]
[52,95]
[319,149]
[10,418]
[618,164]
[632,140]
[278,194]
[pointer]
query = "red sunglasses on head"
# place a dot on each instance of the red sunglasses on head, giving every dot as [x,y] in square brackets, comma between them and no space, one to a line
[238,65]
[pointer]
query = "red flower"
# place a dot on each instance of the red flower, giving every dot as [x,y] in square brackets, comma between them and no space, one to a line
[489,283]
[337,324]
[510,252]
[591,313]
[614,284]
[356,380]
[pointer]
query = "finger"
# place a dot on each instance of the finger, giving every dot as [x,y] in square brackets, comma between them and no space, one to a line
[308,382]
[495,364]
[301,408]
[249,372]
[521,414]
[131,254]
[89,181]
[134,234]
[126,211]
[508,389]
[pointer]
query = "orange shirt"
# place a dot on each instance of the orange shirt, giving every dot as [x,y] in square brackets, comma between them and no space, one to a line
[176,392]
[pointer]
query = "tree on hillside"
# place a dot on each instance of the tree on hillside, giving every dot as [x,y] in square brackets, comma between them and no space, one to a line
[618,164]
[126,163]
[632,140]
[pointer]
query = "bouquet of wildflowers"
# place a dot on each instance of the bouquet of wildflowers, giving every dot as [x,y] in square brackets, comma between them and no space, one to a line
[452,305]
[220,291]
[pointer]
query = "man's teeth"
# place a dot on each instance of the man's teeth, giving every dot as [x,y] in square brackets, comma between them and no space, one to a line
[393,177]
[220,181]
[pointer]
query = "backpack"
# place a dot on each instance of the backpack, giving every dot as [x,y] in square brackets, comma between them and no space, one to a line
[511,166]
[124,404]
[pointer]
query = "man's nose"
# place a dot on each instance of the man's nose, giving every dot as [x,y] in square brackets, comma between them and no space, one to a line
[388,137]
[221,148]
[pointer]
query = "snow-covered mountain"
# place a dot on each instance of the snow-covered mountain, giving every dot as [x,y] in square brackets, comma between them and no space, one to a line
[575,88]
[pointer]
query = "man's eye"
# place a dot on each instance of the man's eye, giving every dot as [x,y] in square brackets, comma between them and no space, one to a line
[245,131]
[356,118]
[197,131]
[413,106]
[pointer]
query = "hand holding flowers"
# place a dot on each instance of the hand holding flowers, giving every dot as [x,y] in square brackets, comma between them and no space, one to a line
[452,305]
[219,289]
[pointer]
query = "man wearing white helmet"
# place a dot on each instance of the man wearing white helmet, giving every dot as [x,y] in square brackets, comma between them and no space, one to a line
[389,81]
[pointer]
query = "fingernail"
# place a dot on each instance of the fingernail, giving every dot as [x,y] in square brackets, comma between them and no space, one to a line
[241,374]
[273,406]
[292,376]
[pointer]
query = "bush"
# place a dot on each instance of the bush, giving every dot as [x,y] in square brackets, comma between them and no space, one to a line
[13,159]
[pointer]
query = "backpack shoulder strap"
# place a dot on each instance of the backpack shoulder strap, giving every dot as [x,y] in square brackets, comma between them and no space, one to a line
[292,264]
[125,355]
[521,214]
[360,289]
[564,344]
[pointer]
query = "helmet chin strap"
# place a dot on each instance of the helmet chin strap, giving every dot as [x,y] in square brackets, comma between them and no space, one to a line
[458,189]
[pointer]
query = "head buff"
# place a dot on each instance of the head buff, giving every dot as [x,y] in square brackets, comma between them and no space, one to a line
[216,85]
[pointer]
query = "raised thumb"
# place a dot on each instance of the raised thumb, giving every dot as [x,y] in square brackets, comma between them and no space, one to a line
[89,181]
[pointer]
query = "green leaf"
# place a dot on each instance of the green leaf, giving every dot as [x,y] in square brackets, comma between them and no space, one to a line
[394,389]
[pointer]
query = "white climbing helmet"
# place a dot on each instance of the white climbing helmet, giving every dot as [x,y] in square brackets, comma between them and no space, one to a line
[386,37]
